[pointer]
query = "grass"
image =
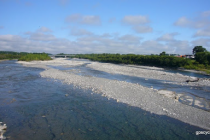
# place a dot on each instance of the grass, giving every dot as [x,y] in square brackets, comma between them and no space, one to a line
[196,66]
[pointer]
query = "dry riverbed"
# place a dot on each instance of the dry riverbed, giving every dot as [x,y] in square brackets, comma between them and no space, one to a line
[149,72]
[149,99]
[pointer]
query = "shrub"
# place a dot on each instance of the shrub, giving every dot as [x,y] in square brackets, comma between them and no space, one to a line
[31,57]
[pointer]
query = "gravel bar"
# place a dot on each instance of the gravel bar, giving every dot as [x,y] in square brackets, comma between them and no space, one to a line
[149,72]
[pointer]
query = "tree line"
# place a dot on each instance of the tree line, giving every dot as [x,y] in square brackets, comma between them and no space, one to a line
[153,60]
[36,56]
[201,61]
[23,56]
[11,55]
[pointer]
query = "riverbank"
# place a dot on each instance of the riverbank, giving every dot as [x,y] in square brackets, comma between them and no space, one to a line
[149,73]
[195,71]
[132,94]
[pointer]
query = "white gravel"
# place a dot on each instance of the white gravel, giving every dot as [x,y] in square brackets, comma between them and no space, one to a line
[54,62]
[132,94]
[148,72]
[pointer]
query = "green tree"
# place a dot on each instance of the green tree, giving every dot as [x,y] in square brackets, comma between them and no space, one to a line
[197,49]
[202,57]
[163,53]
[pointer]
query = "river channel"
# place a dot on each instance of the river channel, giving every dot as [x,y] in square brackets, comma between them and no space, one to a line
[42,108]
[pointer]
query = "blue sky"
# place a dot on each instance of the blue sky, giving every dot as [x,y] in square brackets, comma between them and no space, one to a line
[104,26]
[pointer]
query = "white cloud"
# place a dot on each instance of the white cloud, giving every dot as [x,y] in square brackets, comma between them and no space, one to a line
[40,36]
[205,42]
[142,29]
[152,47]
[201,21]
[138,23]
[155,47]
[203,32]
[206,14]
[130,38]
[91,20]
[172,47]
[44,29]
[106,35]
[105,43]
[24,44]
[88,19]
[73,18]
[183,22]
[167,37]
[9,37]
[135,20]
[80,32]
[179,47]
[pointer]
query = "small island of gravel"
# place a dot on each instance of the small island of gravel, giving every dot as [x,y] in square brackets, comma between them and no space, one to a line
[132,94]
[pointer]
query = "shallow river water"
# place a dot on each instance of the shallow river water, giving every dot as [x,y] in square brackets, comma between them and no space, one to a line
[40,108]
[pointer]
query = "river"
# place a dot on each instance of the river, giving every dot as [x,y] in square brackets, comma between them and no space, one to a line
[42,108]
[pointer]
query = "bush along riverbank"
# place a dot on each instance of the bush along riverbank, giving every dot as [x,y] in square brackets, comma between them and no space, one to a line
[149,60]
[23,56]
[11,55]
[31,57]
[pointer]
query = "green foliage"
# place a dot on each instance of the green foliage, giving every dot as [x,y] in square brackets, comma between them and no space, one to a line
[163,53]
[37,56]
[154,60]
[197,49]
[202,57]
[24,56]
[151,60]
[9,55]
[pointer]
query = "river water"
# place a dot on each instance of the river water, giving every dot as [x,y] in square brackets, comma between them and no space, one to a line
[40,108]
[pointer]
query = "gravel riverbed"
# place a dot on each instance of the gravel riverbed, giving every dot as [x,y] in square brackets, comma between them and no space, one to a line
[132,94]
[149,72]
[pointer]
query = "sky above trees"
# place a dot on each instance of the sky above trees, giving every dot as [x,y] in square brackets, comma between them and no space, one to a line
[104,26]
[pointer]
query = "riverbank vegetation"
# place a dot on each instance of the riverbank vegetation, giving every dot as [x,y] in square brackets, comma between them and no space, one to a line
[201,61]
[153,60]
[31,57]
[23,56]
[11,55]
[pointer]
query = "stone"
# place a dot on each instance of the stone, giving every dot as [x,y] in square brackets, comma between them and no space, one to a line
[169,94]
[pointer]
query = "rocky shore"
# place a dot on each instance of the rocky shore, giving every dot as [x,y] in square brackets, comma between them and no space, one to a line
[149,99]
